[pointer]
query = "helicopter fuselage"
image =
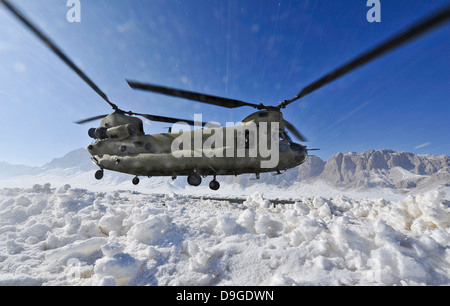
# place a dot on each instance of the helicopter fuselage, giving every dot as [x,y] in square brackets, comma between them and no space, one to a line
[122,146]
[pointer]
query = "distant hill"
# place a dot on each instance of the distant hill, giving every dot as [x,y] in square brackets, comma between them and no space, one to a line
[9,170]
[80,159]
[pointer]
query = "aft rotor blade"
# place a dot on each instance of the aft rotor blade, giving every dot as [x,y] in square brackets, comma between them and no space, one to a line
[57,51]
[413,32]
[294,131]
[90,119]
[169,119]
[194,96]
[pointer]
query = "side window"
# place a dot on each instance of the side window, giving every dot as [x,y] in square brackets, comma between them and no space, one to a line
[250,139]
[288,138]
[246,139]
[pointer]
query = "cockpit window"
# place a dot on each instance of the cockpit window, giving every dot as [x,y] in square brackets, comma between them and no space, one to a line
[285,137]
[288,138]
[295,147]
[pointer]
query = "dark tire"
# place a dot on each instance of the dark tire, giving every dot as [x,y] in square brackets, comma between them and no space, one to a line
[136,181]
[214,185]
[194,179]
[99,174]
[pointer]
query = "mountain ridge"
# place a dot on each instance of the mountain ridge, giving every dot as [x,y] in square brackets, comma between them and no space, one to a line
[385,168]
[369,169]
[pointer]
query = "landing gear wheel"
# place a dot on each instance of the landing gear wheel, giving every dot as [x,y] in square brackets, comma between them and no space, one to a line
[135,181]
[214,185]
[99,174]
[194,179]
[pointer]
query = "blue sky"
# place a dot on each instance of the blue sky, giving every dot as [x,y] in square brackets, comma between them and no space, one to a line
[258,51]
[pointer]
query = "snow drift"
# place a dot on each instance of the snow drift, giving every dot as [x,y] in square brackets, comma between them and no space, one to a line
[374,218]
[71,236]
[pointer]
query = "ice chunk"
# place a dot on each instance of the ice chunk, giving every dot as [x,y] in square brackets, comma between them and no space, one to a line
[37,230]
[247,220]
[122,267]
[112,248]
[82,247]
[19,280]
[112,221]
[268,226]
[226,225]
[148,231]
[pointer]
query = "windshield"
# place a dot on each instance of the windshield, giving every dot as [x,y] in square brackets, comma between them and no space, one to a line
[284,136]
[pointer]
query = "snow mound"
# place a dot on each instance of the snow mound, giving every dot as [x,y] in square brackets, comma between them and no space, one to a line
[71,236]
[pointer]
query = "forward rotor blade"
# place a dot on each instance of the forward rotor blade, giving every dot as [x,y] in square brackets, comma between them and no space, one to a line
[294,131]
[194,96]
[90,119]
[410,34]
[57,51]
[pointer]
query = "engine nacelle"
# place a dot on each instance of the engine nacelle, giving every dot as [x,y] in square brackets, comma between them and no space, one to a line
[120,132]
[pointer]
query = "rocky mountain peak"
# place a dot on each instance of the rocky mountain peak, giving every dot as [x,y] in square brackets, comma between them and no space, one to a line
[383,168]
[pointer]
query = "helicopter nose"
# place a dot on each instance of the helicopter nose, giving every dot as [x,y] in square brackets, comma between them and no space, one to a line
[301,156]
[300,153]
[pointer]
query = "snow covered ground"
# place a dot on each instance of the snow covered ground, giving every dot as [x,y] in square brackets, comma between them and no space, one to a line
[64,235]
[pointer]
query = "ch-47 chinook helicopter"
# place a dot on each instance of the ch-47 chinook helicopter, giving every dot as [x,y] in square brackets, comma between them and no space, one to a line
[121,145]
